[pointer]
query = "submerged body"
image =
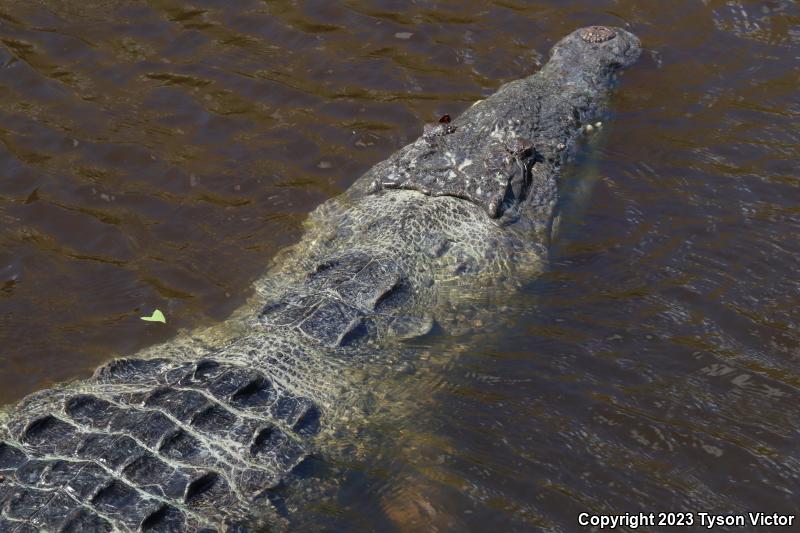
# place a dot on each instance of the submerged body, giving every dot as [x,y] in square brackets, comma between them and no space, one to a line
[194,440]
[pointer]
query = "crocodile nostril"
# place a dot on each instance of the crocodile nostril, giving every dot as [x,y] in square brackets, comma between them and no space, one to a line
[597,34]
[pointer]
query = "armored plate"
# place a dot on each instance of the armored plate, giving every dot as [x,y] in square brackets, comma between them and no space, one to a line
[498,172]
[331,322]
[340,294]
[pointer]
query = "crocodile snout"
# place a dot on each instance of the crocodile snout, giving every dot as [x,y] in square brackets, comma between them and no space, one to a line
[597,50]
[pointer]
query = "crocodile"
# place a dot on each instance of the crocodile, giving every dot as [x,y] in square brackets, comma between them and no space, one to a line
[191,439]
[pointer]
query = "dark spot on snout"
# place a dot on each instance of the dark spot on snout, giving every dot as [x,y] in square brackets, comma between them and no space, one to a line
[597,34]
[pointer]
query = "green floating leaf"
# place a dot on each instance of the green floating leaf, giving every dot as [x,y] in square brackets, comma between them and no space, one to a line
[157,316]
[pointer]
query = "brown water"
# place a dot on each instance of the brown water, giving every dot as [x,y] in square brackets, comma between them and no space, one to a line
[157,154]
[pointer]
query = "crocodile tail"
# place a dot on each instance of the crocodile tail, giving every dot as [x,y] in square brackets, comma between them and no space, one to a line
[152,445]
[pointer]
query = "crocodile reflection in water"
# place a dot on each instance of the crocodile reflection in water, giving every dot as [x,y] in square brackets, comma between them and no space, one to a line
[190,440]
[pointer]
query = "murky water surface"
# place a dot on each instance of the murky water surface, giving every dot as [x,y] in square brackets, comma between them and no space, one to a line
[157,154]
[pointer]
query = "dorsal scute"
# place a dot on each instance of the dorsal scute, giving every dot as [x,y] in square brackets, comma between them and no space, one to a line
[340,295]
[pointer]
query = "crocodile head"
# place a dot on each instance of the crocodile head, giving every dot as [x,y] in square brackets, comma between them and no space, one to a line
[554,109]
[504,153]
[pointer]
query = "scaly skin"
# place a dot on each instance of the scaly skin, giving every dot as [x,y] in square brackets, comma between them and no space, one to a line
[192,440]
